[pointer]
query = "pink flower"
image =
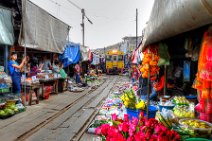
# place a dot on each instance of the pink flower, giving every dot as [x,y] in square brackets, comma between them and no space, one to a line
[114,117]
[98,131]
[126,117]
[134,120]
[130,139]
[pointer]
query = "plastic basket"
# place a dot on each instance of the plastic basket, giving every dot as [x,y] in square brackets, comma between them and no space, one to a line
[166,107]
[152,111]
[4,90]
[133,113]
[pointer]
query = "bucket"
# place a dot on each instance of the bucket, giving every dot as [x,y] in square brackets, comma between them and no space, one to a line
[152,111]
[133,113]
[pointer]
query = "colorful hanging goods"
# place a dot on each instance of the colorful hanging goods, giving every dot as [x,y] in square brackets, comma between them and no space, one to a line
[150,61]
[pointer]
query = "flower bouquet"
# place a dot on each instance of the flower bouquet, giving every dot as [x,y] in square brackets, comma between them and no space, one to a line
[136,130]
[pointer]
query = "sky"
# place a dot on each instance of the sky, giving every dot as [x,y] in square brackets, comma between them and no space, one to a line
[112,19]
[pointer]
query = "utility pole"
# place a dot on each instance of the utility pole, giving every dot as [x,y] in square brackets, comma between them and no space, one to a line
[136,28]
[83,25]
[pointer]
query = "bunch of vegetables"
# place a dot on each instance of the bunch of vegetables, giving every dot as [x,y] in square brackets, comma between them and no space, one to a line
[150,61]
[130,101]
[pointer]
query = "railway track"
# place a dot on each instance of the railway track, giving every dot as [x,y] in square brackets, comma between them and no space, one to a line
[64,115]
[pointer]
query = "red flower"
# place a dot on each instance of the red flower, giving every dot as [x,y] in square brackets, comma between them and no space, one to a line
[125,126]
[126,117]
[104,129]
[141,115]
[154,138]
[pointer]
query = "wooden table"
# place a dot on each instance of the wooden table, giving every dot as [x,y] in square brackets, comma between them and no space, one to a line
[32,87]
[53,82]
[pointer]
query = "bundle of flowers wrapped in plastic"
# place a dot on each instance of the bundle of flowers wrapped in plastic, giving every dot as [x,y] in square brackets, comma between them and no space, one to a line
[136,130]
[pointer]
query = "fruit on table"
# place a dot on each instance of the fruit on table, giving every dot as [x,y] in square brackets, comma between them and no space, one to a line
[183,112]
[195,123]
[2,113]
[9,111]
[180,100]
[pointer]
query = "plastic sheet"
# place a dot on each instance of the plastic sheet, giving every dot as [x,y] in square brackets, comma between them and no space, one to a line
[7,34]
[71,54]
[169,18]
[40,30]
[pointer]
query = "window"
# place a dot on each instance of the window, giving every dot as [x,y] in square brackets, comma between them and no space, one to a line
[108,58]
[120,58]
[114,58]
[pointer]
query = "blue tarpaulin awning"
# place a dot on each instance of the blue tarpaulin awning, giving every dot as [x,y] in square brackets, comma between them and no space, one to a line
[71,54]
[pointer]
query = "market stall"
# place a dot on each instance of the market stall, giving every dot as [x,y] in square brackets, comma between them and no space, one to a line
[123,117]
[9,105]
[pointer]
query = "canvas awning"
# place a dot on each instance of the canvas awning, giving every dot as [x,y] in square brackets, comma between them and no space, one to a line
[6,27]
[40,30]
[170,18]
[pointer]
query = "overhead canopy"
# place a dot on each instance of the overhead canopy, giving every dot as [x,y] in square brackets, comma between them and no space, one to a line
[71,54]
[169,18]
[84,53]
[6,27]
[40,30]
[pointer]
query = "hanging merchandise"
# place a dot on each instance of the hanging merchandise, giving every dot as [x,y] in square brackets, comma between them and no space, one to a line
[90,55]
[150,60]
[96,59]
[164,55]
[135,57]
[203,81]
[186,71]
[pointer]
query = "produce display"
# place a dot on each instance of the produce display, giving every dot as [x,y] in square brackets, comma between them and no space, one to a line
[10,109]
[184,112]
[4,87]
[150,61]
[45,76]
[180,100]
[194,123]
[129,100]
[196,127]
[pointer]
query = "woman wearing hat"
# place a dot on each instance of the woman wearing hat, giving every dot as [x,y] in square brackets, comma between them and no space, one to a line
[15,72]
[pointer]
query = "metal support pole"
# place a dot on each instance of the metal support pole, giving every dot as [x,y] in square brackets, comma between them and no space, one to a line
[136,44]
[148,93]
[25,77]
[6,54]
[83,27]
[165,80]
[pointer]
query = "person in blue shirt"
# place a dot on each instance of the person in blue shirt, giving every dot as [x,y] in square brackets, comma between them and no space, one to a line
[15,73]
